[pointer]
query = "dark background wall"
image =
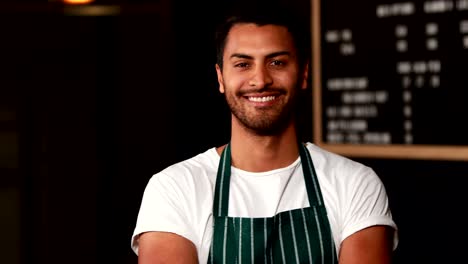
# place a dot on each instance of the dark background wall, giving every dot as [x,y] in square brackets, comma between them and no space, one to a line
[92,106]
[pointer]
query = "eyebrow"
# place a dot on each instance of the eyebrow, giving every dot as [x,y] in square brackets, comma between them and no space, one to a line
[271,55]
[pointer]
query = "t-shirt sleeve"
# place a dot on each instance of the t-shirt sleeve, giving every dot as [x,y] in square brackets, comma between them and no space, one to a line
[164,208]
[366,204]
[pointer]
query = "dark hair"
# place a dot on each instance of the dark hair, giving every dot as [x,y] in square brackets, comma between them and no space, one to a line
[266,14]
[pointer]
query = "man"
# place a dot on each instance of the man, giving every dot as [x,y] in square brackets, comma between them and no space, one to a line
[264,197]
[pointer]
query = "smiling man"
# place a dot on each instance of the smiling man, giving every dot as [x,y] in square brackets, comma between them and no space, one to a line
[264,196]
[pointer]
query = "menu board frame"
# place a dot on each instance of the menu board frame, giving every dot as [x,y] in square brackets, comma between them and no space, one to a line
[393,151]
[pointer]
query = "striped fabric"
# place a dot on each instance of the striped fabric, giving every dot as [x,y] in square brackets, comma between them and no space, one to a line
[296,236]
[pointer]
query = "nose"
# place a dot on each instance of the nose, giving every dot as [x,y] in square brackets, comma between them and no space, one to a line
[261,77]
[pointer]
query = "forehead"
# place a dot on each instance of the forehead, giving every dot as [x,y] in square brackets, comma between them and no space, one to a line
[252,39]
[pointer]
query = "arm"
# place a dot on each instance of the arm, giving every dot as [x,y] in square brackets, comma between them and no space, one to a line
[165,247]
[372,245]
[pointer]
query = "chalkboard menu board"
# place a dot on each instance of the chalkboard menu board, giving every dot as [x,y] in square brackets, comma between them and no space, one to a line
[390,78]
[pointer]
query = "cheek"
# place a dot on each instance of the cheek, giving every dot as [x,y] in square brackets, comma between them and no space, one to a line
[284,80]
[295,78]
[235,82]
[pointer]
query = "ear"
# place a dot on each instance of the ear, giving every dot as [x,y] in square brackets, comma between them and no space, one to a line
[305,76]
[220,78]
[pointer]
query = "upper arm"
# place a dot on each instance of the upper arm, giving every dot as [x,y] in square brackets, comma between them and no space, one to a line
[366,229]
[372,245]
[165,223]
[165,247]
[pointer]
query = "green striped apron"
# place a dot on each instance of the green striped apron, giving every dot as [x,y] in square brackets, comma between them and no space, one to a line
[297,236]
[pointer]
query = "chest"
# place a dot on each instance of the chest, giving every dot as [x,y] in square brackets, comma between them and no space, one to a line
[267,195]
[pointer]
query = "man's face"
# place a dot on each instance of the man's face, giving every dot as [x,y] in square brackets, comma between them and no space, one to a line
[260,77]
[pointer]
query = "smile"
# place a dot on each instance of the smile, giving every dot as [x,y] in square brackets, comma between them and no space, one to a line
[261,99]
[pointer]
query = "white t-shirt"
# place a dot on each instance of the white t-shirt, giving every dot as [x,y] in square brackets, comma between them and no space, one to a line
[179,199]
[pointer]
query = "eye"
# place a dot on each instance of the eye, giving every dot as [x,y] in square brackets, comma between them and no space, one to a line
[277,63]
[241,65]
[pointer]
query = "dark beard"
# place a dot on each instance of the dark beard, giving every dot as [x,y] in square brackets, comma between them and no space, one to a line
[271,125]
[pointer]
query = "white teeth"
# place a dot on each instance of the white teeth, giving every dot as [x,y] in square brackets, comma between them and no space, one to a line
[262,99]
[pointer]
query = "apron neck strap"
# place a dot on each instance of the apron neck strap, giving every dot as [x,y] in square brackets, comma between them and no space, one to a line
[223,179]
[310,177]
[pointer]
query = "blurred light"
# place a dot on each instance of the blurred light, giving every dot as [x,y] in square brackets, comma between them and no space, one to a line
[92,10]
[78,2]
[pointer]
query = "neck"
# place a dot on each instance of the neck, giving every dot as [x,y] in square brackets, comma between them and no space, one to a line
[255,153]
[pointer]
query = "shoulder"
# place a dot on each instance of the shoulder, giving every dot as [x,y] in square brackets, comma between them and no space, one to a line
[335,167]
[205,161]
[195,170]
[343,180]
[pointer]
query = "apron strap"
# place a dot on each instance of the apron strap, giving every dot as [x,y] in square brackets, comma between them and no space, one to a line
[223,179]
[310,177]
